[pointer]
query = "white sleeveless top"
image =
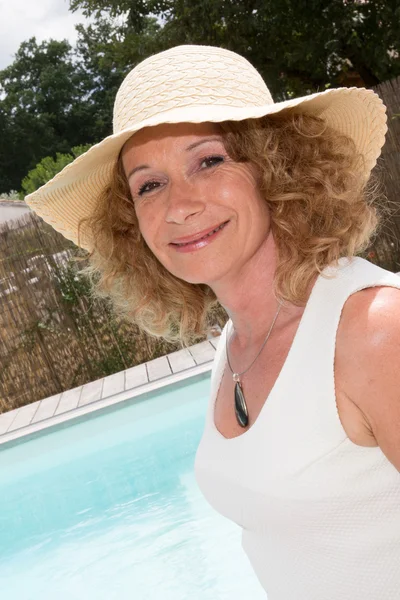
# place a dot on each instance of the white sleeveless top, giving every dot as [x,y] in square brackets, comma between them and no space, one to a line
[320,515]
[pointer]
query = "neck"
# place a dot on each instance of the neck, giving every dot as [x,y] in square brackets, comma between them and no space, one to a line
[248,296]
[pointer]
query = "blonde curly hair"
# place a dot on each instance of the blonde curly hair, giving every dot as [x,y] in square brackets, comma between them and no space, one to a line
[321,209]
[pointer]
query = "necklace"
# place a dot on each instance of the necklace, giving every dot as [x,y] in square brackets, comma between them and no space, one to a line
[241,411]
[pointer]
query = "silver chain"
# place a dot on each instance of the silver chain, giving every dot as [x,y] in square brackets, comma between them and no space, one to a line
[237,375]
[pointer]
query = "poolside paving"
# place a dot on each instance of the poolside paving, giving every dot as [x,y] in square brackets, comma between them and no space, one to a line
[202,352]
[46,408]
[136,376]
[68,400]
[91,392]
[181,360]
[23,416]
[158,368]
[113,384]
[108,390]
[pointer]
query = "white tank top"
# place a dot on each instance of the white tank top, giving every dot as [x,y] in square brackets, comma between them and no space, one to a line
[320,515]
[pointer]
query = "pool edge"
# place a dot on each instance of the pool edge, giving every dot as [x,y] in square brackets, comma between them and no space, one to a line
[118,398]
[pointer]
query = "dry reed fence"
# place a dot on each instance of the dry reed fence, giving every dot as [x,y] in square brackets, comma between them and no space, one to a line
[53,335]
[386,249]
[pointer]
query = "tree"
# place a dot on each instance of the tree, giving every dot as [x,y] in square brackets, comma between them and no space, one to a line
[107,50]
[43,108]
[297,45]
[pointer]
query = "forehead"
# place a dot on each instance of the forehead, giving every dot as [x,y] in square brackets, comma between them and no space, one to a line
[170,133]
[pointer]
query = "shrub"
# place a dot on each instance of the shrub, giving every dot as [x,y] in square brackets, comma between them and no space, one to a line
[47,168]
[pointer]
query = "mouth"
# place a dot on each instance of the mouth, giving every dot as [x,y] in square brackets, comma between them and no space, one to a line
[199,240]
[186,241]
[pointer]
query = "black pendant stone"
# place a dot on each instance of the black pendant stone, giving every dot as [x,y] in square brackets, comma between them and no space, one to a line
[240,406]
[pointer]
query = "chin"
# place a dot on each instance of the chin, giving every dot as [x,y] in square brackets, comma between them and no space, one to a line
[192,279]
[199,278]
[189,276]
[205,273]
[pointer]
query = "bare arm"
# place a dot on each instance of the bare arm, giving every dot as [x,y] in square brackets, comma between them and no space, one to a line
[370,363]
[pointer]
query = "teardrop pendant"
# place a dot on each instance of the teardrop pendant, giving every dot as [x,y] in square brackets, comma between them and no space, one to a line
[242,414]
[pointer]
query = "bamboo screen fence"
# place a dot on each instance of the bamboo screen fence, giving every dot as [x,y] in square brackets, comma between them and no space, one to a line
[386,251]
[54,336]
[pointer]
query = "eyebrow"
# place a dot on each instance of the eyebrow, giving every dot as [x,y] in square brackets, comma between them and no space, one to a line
[140,168]
[188,149]
[203,141]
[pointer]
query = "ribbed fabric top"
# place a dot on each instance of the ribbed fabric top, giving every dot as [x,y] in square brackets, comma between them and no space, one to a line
[320,515]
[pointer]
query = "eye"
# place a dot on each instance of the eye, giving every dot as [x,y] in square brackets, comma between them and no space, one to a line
[148,187]
[211,161]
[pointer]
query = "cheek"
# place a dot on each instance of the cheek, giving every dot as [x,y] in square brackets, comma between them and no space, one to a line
[147,226]
[237,179]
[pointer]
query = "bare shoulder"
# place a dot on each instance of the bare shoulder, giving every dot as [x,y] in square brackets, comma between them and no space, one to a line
[368,359]
[368,339]
[369,308]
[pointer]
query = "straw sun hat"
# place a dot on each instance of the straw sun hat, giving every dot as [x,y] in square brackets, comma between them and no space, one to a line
[195,84]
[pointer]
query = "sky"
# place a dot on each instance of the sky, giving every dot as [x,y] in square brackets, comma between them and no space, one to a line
[44,19]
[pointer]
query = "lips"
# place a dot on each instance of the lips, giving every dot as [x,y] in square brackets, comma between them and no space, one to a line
[202,235]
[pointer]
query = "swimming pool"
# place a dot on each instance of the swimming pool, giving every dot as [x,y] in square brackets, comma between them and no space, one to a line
[107,508]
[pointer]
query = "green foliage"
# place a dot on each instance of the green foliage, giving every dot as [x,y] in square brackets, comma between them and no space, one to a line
[45,108]
[72,284]
[48,167]
[12,196]
[298,45]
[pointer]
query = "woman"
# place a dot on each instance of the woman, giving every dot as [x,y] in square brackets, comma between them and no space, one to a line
[207,190]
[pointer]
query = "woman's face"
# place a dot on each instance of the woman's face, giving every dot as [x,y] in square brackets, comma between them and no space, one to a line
[200,212]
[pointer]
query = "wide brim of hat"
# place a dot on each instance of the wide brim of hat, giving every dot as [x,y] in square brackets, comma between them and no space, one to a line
[73,193]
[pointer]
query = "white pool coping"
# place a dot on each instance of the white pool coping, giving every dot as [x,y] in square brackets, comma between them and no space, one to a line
[107,391]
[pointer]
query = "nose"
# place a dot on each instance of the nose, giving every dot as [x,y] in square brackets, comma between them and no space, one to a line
[184,202]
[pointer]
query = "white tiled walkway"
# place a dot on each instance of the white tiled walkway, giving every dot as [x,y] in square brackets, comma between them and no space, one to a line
[108,390]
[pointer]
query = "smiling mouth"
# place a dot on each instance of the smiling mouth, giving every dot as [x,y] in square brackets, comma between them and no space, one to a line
[199,239]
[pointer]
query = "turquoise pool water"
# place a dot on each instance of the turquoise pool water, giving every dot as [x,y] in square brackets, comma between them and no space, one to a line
[108,508]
